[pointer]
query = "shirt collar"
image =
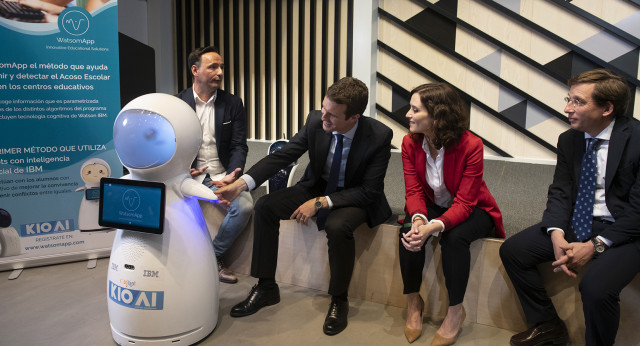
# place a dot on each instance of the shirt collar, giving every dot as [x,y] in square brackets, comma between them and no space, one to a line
[605,134]
[198,100]
[425,146]
[351,133]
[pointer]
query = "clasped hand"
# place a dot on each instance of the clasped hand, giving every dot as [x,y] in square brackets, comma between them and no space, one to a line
[570,256]
[226,180]
[229,192]
[418,235]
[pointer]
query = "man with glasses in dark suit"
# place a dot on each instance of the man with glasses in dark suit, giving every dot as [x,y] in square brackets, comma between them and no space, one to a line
[592,215]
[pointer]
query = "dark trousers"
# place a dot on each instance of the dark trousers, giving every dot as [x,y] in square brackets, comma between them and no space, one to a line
[339,227]
[456,257]
[600,287]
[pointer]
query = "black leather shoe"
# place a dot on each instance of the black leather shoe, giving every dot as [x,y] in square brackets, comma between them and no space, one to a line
[257,299]
[336,320]
[552,332]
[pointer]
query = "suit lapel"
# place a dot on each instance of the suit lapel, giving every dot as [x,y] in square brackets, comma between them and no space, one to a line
[420,159]
[219,106]
[357,151]
[617,143]
[579,146]
[187,97]
[322,146]
[449,164]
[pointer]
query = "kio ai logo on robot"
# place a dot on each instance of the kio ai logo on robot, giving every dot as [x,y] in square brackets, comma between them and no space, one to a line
[134,299]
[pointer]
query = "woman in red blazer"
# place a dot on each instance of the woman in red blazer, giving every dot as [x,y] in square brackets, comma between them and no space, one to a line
[446,195]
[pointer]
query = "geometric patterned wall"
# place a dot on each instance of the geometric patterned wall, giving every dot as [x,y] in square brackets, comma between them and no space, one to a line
[509,59]
[280,56]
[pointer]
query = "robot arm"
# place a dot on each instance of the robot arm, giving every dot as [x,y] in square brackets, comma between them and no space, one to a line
[191,188]
[9,242]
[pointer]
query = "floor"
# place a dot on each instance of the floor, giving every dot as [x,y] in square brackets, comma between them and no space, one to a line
[65,304]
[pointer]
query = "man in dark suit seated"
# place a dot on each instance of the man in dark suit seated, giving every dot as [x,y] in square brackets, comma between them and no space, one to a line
[592,215]
[224,144]
[343,185]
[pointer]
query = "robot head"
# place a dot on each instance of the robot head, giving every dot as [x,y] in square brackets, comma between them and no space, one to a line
[94,169]
[157,136]
[5,218]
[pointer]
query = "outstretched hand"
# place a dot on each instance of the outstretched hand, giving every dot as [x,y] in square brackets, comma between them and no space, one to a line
[196,172]
[230,192]
[227,179]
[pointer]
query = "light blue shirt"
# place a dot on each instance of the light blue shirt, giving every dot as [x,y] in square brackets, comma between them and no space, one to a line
[600,206]
[346,147]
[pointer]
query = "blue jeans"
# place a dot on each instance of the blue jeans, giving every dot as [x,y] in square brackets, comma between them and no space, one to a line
[234,222]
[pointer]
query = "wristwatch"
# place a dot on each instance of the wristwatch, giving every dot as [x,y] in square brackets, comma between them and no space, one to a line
[318,203]
[598,246]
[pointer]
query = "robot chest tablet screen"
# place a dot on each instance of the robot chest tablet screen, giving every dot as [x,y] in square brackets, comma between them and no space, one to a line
[132,205]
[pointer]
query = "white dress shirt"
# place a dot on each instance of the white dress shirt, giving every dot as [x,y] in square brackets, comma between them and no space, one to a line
[435,180]
[208,153]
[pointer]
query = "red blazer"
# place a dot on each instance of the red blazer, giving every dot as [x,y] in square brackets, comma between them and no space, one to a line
[462,170]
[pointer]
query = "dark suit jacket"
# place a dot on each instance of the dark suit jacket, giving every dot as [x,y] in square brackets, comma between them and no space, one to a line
[366,165]
[230,128]
[622,182]
[462,169]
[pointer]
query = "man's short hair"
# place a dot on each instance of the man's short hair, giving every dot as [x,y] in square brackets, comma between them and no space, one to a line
[609,87]
[196,55]
[351,92]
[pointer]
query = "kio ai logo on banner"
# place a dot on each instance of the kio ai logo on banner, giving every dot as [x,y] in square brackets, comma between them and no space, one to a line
[47,227]
[74,20]
[134,299]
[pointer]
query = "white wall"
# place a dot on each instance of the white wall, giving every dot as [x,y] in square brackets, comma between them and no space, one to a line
[151,22]
[132,19]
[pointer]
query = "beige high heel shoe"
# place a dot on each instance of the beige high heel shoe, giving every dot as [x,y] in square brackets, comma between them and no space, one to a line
[440,340]
[411,333]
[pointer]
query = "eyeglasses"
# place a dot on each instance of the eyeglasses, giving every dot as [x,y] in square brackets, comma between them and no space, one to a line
[575,102]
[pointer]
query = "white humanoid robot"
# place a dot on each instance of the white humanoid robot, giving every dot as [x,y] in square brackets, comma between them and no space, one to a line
[91,172]
[9,237]
[163,288]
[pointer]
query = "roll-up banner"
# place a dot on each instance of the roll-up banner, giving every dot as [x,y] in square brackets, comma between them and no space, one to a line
[59,96]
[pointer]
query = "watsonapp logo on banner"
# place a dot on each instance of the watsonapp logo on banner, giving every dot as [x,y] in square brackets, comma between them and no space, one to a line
[75,21]
[135,299]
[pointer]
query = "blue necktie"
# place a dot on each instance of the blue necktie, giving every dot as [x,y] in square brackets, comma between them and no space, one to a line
[582,220]
[332,183]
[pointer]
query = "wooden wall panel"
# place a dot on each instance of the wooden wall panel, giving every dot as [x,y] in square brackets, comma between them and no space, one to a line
[612,11]
[510,59]
[280,56]
[505,137]
[561,22]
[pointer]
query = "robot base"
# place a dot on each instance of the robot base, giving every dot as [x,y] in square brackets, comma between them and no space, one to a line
[187,338]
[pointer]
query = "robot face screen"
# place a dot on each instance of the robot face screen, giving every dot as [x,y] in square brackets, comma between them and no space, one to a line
[93,172]
[143,139]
